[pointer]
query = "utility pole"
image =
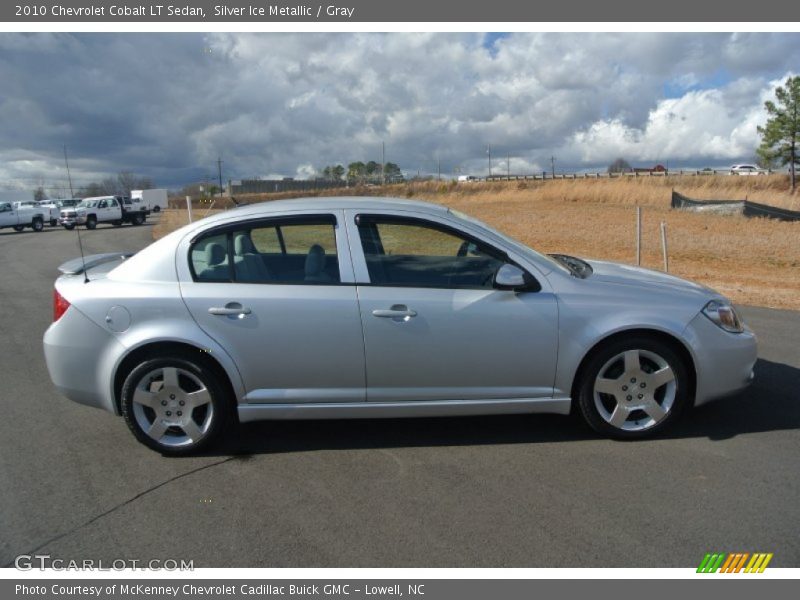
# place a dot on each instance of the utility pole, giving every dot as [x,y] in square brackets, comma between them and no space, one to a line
[219,171]
[489,152]
[553,165]
[66,162]
[439,168]
[508,166]
[383,162]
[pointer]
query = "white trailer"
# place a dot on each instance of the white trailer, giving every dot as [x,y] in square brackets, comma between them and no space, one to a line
[152,200]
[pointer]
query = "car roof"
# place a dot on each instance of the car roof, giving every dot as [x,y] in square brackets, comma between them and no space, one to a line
[327,203]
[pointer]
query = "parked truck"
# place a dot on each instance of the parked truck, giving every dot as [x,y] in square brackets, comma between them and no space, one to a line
[20,215]
[153,200]
[115,210]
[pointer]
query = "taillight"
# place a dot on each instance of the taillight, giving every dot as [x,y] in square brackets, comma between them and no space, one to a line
[60,305]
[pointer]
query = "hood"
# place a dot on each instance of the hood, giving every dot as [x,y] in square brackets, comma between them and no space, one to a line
[610,272]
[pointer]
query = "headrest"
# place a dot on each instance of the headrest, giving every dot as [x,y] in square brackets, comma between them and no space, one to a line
[315,261]
[242,244]
[215,254]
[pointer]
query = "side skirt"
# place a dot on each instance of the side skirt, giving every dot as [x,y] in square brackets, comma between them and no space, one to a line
[385,410]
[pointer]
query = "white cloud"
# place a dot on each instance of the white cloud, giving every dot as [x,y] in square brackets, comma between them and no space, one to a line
[166,105]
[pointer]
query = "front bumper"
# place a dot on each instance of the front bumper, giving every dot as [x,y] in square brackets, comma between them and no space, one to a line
[72,220]
[79,354]
[724,361]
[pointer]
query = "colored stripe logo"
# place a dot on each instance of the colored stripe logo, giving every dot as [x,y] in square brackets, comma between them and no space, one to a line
[737,562]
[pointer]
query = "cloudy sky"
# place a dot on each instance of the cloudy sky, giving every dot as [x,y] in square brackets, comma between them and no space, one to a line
[166,105]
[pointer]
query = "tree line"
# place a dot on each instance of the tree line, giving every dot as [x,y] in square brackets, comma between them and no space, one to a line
[120,185]
[364,172]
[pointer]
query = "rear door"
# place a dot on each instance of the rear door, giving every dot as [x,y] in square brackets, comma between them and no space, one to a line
[278,294]
[434,326]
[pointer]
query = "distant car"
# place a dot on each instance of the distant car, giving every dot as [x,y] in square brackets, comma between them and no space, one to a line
[365,307]
[746,170]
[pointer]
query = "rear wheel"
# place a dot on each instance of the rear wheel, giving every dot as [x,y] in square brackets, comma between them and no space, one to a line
[37,225]
[156,209]
[176,405]
[91,222]
[633,388]
[18,228]
[137,219]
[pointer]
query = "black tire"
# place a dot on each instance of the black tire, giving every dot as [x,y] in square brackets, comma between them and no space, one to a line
[220,403]
[19,228]
[53,222]
[37,225]
[600,359]
[117,223]
[137,220]
[156,209]
[91,222]
[69,227]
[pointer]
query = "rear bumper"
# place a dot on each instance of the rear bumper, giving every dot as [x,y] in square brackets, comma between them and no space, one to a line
[77,351]
[724,361]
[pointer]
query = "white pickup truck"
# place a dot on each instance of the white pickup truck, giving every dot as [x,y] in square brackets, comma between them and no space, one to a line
[115,210]
[19,216]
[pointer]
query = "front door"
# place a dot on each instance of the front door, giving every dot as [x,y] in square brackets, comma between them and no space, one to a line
[278,295]
[434,326]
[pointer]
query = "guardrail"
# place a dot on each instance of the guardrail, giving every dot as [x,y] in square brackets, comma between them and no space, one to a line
[634,174]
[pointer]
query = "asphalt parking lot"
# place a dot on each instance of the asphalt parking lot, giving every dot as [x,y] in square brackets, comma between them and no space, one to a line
[530,491]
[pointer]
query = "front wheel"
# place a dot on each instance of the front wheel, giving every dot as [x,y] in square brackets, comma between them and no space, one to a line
[53,222]
[174,405]
[633,388]
[91,223]
[19,228]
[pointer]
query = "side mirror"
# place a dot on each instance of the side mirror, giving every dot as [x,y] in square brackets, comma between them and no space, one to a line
[511,277]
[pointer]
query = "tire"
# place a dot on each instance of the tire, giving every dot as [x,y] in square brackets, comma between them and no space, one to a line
[117,223]
[137,220]
[69,227]
[91,222]
[19,228]
[37,225]
[154,416]
[156,209]
[53,222]
[633,388]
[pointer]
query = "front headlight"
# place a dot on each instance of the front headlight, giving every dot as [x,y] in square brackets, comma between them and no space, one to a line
[724,315]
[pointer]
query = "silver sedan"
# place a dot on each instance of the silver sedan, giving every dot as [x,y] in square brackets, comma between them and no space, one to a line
[366,307]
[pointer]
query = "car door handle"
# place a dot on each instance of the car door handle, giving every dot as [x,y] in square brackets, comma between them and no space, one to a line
[399,312]
[232,309]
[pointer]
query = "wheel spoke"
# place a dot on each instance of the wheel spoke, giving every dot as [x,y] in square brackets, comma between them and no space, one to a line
[654,409]
[606,386]
[157,429]
[632,363]
[192,431]
[171,377]
[662,377]
[198,398]
[619,416]
[145,398]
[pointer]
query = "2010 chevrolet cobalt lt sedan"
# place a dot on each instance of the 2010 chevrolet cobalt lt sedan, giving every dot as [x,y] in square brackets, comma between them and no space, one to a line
[365,307]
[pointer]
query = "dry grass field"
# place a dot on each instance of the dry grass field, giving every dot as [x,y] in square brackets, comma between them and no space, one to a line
[753,261]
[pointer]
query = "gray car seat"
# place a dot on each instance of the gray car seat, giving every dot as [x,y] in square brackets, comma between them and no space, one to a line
[216,263]
[315,266]
[247,261]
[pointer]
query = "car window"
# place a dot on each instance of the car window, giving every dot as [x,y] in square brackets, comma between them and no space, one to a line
[278,251]
[416,253]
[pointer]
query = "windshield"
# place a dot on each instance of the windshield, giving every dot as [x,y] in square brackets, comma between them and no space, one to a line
[519,246]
